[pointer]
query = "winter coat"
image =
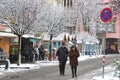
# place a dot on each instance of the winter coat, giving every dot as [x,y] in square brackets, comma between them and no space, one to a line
[73,56]
[41,51]
[26,50]
[62,54]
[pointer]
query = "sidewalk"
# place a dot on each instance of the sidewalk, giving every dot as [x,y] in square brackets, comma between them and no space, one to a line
[97,74]
[14,68]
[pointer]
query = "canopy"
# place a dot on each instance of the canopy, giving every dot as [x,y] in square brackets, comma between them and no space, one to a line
[5,34]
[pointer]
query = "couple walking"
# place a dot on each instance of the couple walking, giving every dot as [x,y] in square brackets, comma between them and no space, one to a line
[73,54]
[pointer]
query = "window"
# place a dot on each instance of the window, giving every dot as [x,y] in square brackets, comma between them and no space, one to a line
[67,3]
[70,29]
[70,3]
[64,3]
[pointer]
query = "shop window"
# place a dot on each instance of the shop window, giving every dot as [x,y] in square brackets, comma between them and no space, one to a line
[59,44]
[54,45]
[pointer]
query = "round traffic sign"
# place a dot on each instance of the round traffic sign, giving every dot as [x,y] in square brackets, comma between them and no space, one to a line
[106,15]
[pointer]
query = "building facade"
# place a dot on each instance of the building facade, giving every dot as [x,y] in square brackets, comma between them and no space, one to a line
[113,38]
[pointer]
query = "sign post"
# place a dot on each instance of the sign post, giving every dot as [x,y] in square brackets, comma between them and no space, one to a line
[105,17]
[103,63]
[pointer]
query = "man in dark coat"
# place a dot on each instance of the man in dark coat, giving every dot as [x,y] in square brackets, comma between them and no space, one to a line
[41,52]
[62,54]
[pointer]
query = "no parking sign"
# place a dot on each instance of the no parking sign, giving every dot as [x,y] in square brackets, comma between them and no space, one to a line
[106,15]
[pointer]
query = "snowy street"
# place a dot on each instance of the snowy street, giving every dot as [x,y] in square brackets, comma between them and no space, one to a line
[37,37]
[49,70]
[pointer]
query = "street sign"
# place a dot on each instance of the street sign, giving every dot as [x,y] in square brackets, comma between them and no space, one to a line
[106,15]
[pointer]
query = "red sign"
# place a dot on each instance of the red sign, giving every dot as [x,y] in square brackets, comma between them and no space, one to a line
[106,15]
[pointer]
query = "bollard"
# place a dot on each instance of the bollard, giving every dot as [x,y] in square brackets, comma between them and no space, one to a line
[7,63]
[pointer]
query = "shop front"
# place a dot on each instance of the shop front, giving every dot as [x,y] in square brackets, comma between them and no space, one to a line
[112,43]
[5,41]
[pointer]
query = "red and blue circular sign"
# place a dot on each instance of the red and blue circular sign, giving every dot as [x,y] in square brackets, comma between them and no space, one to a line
[106,15]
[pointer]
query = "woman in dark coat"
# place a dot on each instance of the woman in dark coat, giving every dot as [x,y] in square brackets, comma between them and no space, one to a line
[73,56]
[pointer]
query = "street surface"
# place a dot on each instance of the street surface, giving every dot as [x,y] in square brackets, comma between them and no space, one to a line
[52,72]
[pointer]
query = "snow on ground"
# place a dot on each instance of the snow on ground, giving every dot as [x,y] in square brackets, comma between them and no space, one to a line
[81,58]
[23,67]
[46,63]
[97,74]
[108,76]
[14,68]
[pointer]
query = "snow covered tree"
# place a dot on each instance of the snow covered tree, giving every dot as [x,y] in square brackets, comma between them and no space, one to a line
[116,6]
[21,16]
[53,22]
[86,10]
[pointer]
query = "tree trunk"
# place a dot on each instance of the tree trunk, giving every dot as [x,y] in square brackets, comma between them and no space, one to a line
[50,47]
[19,50]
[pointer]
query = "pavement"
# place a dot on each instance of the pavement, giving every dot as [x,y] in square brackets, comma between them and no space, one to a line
[86,70]
[97,72]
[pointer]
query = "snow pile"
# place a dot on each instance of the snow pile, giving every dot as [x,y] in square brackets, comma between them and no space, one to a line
[47,63]
[14,68]
[81,58]
[108,76]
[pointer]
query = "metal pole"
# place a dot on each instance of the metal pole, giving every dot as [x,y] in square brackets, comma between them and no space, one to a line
[103,62]
[103,59]
[103,72]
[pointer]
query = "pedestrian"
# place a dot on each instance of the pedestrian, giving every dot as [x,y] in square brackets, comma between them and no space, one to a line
[41,52]
[26,53]
[31,50]
[107,50]
[73,57]
[36,52]
[62,54]
[12,54]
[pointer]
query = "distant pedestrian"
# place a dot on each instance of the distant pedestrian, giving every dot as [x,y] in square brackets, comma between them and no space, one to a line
[26,53]
[12,54]
[41,52]
[73,56]
[62,54]
[107,50]
[31,52]
[36,52]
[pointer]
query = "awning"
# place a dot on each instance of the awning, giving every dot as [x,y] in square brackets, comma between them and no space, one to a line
[30,36]
[5,34]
